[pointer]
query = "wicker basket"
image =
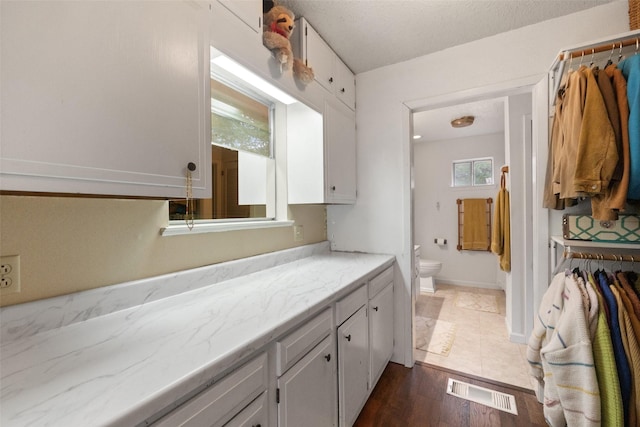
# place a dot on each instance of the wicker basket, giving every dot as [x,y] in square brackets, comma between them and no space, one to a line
[634,14]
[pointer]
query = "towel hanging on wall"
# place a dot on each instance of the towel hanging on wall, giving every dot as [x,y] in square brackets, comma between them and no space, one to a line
[501,235]
[474,224]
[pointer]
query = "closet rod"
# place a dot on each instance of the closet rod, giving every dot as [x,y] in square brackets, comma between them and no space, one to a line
[599,257]
[600,48]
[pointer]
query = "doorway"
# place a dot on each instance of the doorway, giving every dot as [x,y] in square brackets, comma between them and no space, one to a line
[468,280]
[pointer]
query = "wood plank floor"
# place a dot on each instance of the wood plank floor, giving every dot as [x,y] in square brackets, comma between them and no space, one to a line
[417,397]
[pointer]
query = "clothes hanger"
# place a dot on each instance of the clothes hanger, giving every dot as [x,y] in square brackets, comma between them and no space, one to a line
[592,54]
[609,61]
[620,53]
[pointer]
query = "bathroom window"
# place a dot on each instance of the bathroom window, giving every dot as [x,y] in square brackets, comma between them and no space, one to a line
[472,172]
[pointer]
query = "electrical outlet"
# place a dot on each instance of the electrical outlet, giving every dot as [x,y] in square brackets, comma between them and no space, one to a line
[9,274]
[298,233]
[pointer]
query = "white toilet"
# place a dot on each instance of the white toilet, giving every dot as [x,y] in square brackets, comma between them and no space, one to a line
[428,269]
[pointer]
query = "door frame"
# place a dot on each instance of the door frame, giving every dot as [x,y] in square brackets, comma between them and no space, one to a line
[535,244]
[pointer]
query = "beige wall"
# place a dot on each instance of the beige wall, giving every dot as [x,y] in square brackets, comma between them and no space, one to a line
[71,244]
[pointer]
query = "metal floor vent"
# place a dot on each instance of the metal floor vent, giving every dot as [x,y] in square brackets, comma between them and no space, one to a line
[484,396]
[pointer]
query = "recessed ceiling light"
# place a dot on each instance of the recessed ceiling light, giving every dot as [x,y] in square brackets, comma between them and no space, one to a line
[417,136]
[462,122]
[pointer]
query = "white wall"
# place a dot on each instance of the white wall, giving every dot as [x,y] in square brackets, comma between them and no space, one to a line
[436,210]
[380,220]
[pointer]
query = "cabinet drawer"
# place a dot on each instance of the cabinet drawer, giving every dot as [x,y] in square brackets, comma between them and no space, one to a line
[295,345]
[253,415]
[350,304]
[379,282]
[220,402]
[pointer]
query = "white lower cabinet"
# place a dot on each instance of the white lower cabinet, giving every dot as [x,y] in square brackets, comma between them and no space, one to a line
[235,395]
[380,331]
[306,371]
[308,394]
[353,365]
[254,415]
[321,372]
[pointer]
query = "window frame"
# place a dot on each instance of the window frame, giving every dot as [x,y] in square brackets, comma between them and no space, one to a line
[472,162]
[277,203]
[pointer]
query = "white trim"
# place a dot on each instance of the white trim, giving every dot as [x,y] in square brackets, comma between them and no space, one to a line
[511,87]
[214,227]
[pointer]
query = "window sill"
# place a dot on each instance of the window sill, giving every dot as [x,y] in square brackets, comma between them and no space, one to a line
[178,229]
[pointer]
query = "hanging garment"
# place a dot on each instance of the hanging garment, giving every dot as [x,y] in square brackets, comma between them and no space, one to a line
[631,294]
[612,412]
[570,125]
[597,155]
[599,202]
[622,364]
[501,236]
[618,195]
[631,336]
[551,199]
[631,71]
[560,355]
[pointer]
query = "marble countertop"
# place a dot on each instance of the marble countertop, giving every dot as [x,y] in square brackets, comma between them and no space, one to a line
[120,368]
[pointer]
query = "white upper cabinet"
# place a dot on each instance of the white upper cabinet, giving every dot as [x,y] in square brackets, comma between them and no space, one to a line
[345,88]
[321,154]
[248,11]
[105,97]
[330,72]
[340,140]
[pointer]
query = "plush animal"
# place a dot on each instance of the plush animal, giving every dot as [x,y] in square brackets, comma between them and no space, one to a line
[278,24]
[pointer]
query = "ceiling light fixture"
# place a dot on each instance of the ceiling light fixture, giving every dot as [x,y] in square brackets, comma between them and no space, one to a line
[417,136]
[462,121]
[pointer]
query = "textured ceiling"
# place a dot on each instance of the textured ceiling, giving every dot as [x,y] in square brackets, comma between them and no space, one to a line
[367,34]
[434,125]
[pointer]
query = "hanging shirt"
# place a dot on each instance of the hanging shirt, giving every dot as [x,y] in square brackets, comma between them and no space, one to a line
[561,357]
[618,195]
[622,364]
[631,70]
[566,151]
[606,371]
[597,155]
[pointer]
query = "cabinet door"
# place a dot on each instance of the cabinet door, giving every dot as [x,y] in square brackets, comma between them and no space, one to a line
[105,97]
[340,146]
[254,415]
[381,330]
[345,84]
[308,390]
[353,366]
[248,11]
[320,57]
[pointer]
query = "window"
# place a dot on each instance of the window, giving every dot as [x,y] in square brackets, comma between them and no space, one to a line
[472,172]
[243,158]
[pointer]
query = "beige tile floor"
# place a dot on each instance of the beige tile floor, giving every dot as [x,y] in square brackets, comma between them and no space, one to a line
[481,346]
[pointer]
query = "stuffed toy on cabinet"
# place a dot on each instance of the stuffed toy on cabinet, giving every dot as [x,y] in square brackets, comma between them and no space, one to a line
[278,25]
